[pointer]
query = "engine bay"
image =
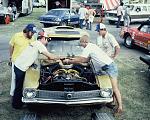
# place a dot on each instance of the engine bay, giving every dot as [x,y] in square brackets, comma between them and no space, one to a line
[74,77]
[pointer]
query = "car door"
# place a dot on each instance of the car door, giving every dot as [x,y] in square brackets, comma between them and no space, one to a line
[143,36]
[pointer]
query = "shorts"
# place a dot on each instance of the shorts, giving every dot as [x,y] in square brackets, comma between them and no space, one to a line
[111,70]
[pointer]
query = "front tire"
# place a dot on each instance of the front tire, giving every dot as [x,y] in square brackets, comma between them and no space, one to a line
[128,42]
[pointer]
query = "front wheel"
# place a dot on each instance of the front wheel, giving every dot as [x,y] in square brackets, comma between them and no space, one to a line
[128,41]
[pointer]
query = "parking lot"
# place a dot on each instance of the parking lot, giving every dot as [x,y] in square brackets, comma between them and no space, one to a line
[133,79]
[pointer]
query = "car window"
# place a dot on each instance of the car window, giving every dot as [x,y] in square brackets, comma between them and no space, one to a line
[131,7]
[148,29]
[144,9]
[65,48]
[148,8]
[72,13]
[56,12]
[144,28]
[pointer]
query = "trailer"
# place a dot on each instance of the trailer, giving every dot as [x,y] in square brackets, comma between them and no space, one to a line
[52,4]
[24,7]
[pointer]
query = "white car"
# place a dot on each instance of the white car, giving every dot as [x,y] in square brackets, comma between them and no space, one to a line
[138,13]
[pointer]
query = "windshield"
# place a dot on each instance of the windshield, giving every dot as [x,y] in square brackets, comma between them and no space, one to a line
[56,12]
[65,48]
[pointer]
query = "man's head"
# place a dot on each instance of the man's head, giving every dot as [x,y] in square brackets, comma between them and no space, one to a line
[29,30]
[43,38]
[84,40]
[101,28]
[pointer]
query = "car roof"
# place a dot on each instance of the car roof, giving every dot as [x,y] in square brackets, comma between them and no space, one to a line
[64,32]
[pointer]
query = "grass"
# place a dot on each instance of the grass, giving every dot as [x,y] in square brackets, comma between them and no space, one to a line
[133,80]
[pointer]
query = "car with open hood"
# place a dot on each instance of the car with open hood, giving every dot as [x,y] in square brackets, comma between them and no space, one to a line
[52,82]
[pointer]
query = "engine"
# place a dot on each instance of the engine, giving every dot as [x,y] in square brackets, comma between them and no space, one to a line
[70,77]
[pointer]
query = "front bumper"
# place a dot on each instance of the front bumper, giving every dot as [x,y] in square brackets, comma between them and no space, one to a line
[69,102]
[68,98]
[50,22]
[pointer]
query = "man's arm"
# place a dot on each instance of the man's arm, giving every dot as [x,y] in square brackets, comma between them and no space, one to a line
[50,56]
[116,52]
[75,60]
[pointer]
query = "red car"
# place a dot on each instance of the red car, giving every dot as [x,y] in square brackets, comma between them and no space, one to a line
[137,36]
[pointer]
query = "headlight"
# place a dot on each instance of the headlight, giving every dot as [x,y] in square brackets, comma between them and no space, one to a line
[29,93]
[106,92]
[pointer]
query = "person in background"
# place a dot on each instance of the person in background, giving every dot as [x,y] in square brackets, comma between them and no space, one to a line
[58,4]
[24,61]
[17,44]
[101,61]
[101,20]
[107,42]
[91,13]
[119,14]
[127,17]
[14,10]
[10,8]
[82,15]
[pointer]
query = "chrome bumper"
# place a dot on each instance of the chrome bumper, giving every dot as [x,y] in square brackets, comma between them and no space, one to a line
[50,22]
[69,102]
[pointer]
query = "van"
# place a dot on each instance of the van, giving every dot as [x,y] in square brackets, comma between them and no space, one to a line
[138,13]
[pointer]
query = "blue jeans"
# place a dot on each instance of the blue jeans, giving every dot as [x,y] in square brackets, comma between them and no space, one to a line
[19,75]
[118,23]
[81,23]
[90,26]
[111,70]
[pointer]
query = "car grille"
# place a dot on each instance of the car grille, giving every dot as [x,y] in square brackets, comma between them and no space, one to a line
[43,94]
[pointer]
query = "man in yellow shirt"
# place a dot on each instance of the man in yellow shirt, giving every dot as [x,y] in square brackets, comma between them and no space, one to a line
[17,44]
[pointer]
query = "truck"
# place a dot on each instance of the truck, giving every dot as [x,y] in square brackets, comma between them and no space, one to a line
[52,4]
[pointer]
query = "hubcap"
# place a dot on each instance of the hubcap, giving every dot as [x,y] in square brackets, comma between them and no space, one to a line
[128,40]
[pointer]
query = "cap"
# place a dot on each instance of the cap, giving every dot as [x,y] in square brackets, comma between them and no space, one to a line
[31,27]
[43,34]
[100,26]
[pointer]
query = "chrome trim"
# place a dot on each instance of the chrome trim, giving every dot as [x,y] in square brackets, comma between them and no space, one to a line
[69,102]
[50,22]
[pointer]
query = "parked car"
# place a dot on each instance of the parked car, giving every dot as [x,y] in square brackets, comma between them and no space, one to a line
[137,36]
[146,60]
[53,82]
[60,16]
[138,13]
